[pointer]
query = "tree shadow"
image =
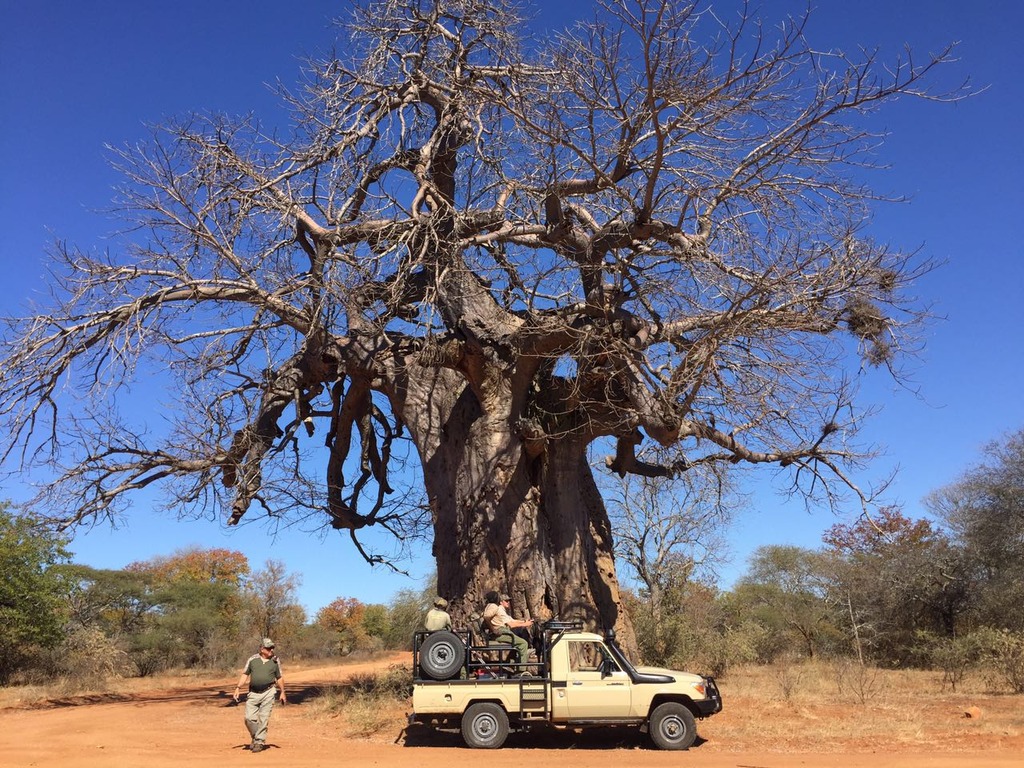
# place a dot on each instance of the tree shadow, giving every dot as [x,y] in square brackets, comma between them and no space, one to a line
[297,695]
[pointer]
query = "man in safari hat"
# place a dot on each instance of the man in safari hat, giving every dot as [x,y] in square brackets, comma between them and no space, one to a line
[262,674]
[500,625]
[437,618]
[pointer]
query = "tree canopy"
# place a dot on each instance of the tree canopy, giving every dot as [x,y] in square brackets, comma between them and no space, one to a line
[479,257]
[31,590]
[984,511]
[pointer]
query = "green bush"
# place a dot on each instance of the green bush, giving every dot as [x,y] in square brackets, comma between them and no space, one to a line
[1005,652]
[955,656]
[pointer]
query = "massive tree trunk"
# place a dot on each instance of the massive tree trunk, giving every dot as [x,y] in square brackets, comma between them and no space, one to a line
[508,516]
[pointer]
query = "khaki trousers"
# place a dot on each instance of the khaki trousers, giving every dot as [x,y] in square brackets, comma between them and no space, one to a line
[258,707]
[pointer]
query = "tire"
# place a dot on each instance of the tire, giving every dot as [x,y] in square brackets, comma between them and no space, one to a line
[484,726]
[672,726]
[442,655]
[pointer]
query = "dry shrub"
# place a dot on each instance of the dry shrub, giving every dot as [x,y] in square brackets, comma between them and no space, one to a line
[393,683]
[369,703]
[88,659]
[856,680]
[365,717]
[789,676]
[1003,657]
[878,710]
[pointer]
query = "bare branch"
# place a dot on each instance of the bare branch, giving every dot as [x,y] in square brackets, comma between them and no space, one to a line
[648,229]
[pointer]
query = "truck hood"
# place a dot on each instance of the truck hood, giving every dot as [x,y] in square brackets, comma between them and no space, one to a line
[680,677]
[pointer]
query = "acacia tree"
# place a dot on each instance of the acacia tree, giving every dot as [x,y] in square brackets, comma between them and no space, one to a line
[984,512]
[787,589]
[273,607]
[898,578]
[197,605]
[647,228]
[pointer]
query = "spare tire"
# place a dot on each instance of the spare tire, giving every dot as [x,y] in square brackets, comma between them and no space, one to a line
[442,655]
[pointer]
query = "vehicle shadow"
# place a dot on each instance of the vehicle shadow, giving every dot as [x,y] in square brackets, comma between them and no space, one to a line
[538,737]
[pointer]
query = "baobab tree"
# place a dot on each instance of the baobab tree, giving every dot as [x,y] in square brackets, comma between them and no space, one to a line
[501,254]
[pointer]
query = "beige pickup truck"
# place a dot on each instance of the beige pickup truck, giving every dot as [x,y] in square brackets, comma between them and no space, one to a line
[577,679]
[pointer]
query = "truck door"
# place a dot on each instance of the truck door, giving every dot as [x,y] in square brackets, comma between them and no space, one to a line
[596,687]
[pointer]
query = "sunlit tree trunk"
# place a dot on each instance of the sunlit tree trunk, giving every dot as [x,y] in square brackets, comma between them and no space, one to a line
[508,519]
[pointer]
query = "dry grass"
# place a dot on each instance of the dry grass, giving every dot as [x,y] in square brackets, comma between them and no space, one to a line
[366,705]
[816,707]
[845,708]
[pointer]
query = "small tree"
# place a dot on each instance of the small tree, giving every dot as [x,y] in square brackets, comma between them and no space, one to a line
[115,602]
[670,530]
[345,617]
[272,608]
[198,619]
[786,590]
[984,514]
[405,615]
[896,577]
[376,622]
[112,615]
[687,630]
[198,606]
[32,591]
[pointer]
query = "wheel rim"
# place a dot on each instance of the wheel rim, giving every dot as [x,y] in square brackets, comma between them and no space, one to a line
[485,726]
[441,654]
[673,728]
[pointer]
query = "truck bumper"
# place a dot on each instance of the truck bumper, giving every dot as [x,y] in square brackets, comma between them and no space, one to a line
[712,704]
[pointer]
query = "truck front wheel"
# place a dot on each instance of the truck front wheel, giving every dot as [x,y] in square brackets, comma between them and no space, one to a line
[672,726]
[484,726]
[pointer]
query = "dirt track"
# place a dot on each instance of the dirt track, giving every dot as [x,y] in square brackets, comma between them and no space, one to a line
[196,726]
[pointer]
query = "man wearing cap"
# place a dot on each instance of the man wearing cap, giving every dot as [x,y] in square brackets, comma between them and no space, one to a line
[500,625]
[437,618]
[262,673]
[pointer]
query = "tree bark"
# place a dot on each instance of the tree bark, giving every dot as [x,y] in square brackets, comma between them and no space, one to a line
[534,526]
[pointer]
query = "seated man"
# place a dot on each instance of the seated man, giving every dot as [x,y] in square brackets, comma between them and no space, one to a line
[499,625]
[437,618]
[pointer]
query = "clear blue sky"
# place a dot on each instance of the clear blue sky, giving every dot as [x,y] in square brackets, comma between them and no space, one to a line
[74,76]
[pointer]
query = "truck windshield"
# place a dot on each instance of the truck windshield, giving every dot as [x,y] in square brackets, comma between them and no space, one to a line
[590,656]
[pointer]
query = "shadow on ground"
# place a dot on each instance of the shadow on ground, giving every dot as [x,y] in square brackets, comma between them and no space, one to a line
[539,737]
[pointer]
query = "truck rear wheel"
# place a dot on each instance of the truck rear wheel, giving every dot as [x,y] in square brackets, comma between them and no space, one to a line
[484,726]
[442,655]
[672,726]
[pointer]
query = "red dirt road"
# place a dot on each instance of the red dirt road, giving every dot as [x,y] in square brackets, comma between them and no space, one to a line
[182,727]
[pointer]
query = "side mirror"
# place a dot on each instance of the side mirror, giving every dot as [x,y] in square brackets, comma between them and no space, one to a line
[607,667]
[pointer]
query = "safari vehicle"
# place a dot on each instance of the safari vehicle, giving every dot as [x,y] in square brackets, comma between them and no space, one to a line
[578,679]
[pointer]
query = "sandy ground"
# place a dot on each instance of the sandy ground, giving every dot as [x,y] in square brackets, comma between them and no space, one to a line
[195,725]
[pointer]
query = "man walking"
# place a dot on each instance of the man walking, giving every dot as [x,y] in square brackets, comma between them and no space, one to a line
[262,673]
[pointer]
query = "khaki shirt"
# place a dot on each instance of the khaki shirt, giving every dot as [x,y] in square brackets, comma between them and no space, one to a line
[437,619]
[496,619]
